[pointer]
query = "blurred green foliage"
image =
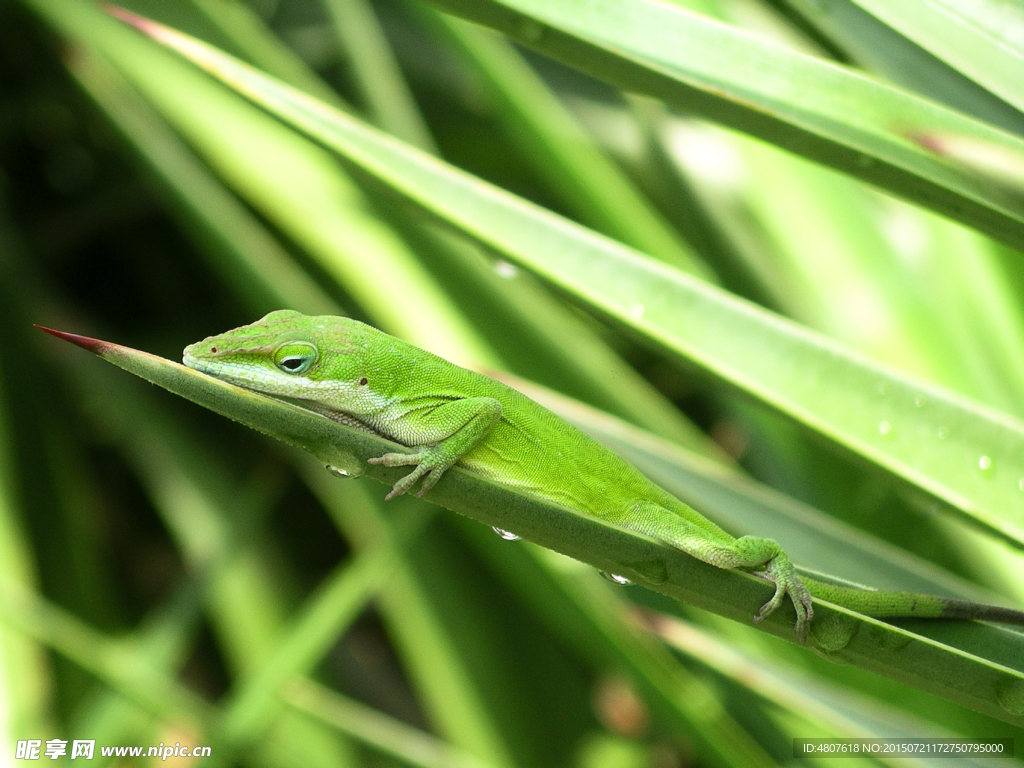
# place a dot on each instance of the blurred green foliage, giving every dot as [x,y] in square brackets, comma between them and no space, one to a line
[168,576]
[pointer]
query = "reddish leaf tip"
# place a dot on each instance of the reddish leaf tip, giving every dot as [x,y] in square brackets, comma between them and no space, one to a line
[929,141]
[127,16]
[93,345]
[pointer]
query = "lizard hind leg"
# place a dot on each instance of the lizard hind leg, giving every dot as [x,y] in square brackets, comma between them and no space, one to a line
[753,553]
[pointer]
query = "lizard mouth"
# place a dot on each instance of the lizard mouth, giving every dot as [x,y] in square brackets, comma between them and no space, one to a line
[208,367]
[221,371]
[190,361]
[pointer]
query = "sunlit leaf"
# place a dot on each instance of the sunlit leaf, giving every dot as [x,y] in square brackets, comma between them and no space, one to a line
[990,687]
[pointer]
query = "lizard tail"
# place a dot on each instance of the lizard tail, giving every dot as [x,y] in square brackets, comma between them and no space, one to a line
[965,609]
[882,603]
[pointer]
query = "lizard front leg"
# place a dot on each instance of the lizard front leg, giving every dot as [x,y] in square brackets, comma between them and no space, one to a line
[444,434]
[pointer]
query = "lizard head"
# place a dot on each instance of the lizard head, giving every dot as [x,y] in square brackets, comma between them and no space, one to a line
[287,354]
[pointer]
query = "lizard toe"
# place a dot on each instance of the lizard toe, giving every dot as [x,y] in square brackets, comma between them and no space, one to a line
[407,482]
[429,481]
[769,608]
[396,459]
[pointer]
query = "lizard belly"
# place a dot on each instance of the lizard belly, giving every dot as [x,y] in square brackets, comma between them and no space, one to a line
[570,469]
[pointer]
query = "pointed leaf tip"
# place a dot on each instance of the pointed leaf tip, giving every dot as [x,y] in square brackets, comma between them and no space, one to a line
[126,16]
[93,345]
[187,46]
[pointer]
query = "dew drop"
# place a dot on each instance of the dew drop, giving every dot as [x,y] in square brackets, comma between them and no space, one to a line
[943,433]
[506,535]
[1020,484]
[637,311]
[883,387]
[919,401]
[506,270]
[614,578]
[984,463]
[352,471]
[652,571]
[833,632]
[884,427]
[1010,695]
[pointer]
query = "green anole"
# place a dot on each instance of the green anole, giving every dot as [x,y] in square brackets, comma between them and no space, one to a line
[447,415]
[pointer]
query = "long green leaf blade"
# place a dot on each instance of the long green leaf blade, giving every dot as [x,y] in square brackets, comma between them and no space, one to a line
[994,688]
[388,735]
[981,38]
[876,47]
[822,111]
[589,183]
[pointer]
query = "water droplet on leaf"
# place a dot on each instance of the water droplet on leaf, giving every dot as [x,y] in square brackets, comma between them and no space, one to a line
[506,535]
[653,571]
[352,471]
[884,427]
[1010,695]
[506,270]
[614,578]
[984,463]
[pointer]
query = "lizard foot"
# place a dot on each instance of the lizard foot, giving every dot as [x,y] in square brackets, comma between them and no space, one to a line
[427,468]
[780,571]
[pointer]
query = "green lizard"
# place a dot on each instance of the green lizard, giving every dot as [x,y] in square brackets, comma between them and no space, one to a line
[447,415]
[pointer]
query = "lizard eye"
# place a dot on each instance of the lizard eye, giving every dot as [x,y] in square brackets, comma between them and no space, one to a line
[295,357]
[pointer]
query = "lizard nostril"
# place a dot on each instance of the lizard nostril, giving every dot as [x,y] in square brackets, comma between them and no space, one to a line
[213,350]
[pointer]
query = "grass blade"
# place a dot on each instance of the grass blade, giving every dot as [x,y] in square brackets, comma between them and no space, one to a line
[253,262]
[383,733]
[979,38]
[375,70]
[827,113]
[971,680]
[587,181]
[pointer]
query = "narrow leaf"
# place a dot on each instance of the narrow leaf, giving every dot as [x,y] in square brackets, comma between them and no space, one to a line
[981,38]
[996,689]
[811,107]
[377,730]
